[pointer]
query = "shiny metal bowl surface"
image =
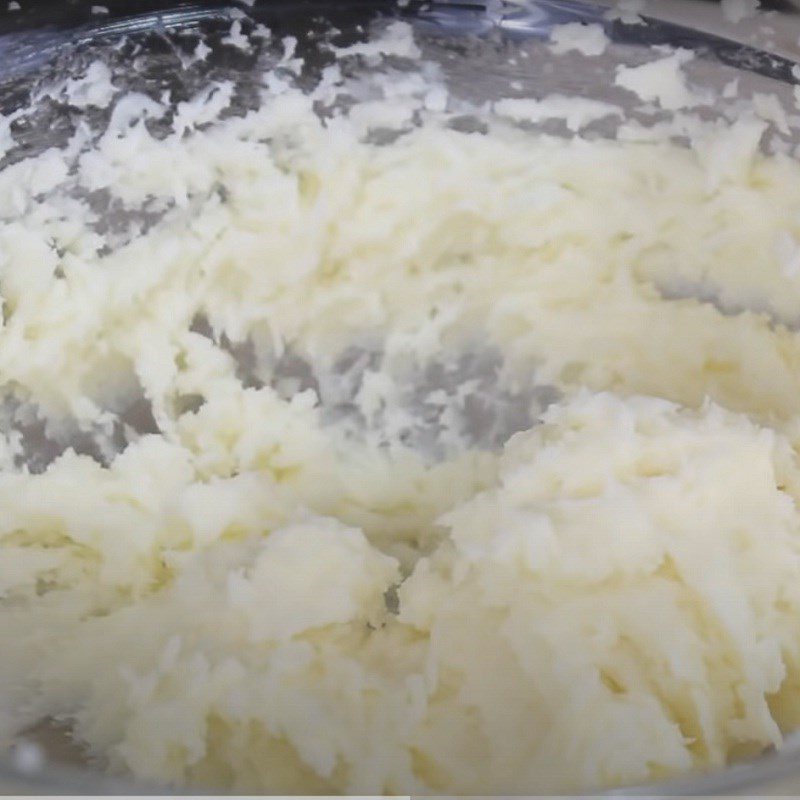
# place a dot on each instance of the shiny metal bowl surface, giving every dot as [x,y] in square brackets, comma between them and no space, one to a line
[472,41]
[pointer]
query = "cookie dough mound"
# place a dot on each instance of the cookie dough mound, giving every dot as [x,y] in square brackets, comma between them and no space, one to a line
[621,607]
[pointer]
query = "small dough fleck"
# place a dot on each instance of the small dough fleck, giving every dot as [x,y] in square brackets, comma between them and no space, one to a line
[588,39]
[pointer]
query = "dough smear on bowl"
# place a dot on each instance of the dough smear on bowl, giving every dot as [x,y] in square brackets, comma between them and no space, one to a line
[462,460]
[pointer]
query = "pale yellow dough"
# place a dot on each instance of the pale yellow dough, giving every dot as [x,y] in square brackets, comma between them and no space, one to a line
[258,595]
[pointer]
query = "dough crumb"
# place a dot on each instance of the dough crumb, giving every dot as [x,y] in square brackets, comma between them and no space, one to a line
[588,39]
[662,81]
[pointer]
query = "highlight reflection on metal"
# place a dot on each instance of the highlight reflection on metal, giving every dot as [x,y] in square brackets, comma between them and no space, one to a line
[21,52]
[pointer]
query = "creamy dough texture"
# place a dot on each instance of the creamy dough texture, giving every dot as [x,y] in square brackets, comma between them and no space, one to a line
[293,546]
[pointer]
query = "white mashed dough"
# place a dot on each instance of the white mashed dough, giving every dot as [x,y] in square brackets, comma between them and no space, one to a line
[327,584]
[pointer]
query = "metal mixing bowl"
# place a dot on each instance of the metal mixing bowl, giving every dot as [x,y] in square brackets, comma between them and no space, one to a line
[477,45]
